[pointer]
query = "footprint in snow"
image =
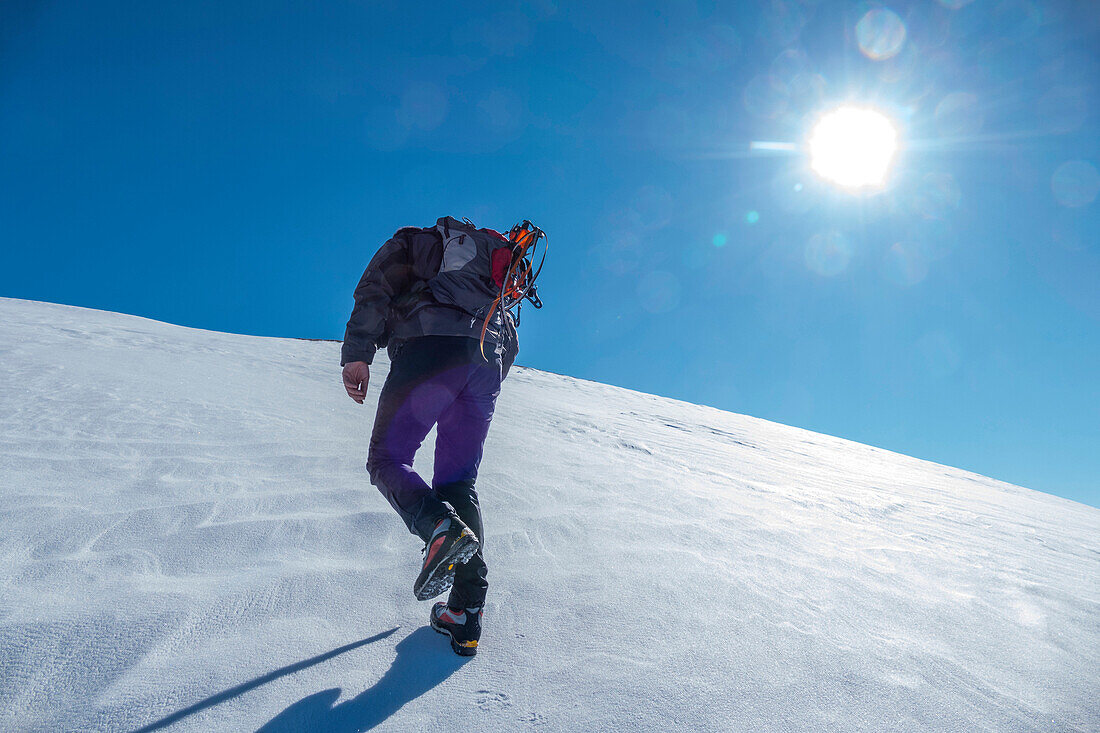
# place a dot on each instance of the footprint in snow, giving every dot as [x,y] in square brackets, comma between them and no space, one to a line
[640,447]
[489,700]
[532,718]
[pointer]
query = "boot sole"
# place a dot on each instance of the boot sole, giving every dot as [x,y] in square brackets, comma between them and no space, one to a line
[462,651]
[441,579]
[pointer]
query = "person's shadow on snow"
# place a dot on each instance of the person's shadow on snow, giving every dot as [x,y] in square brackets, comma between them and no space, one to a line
[422,662]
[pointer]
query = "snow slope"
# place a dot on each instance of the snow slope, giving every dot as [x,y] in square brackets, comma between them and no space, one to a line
[188,541]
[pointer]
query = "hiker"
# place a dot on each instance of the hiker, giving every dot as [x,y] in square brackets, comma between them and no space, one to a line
[441,300]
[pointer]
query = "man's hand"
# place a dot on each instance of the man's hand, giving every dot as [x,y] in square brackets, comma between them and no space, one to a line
[356,376]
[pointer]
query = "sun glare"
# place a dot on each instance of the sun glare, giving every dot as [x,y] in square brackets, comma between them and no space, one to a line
[853,147]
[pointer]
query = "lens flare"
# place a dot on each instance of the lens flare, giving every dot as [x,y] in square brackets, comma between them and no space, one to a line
[659,292]
[958,114]
[828,253]
[906,263]
[853,147]
[880,34]
[937,196]
[1075,183]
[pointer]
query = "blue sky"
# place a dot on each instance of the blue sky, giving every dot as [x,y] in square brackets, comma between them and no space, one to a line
[233,166]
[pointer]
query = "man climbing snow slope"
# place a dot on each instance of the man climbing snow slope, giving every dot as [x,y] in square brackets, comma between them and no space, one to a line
[445,300]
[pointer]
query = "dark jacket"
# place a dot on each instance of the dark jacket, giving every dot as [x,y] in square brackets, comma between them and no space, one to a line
[394,301]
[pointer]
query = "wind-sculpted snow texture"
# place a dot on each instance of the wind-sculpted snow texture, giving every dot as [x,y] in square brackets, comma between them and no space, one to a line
[188,541]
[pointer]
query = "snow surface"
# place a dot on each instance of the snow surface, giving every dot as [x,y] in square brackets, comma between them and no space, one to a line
[188,540]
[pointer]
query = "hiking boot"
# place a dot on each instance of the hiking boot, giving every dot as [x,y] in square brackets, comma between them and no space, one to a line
[452,543]
[463,625]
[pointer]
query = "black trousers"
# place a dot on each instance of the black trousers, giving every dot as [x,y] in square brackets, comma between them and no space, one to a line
[440,381]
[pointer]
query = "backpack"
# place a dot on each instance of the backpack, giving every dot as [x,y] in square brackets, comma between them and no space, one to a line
[487,274]
[471,273]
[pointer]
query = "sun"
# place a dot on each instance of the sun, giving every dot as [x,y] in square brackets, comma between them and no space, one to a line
[853,147]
